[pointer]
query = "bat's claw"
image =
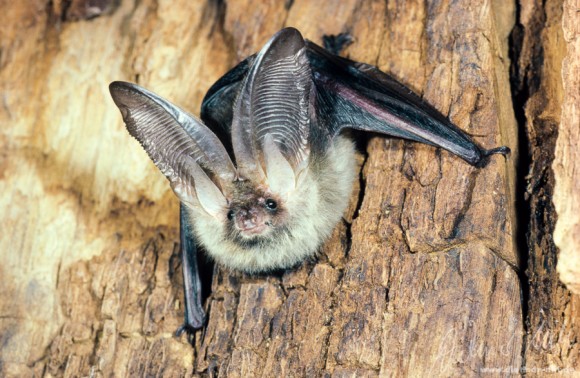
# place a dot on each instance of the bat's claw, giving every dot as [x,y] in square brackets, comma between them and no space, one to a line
[190,332]
[336,43]
[503,150]
[485,154]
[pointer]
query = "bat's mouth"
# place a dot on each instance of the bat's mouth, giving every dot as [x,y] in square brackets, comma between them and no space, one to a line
[251,222]
[251,230]
[251,237]
[265,235]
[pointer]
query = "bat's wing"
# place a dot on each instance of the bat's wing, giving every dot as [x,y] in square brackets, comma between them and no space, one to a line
[194,313]
[354,95]
[360,96]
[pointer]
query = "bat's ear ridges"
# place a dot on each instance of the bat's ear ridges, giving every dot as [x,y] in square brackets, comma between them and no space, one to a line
[274,100]
[178,143]
[286,42]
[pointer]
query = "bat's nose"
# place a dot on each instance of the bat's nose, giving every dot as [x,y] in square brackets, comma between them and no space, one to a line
[250,221]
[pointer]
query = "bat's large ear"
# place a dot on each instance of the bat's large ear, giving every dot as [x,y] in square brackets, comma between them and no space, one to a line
[270,127]
[179,145]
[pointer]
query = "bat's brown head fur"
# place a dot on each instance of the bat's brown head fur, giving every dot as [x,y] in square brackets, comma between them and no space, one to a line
[253,212]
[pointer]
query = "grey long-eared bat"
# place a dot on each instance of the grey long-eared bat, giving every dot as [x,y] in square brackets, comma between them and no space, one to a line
[267,174]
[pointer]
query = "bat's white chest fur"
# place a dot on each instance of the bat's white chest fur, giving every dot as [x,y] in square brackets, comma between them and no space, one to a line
[314,209]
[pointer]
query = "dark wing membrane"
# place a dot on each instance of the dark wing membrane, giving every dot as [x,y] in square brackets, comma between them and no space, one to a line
[352,95]
[359,96]
[194,313]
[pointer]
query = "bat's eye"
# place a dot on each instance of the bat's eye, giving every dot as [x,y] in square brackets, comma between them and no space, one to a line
[271,204]
[230,214]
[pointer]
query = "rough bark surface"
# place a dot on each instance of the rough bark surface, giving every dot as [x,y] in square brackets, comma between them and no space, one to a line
[421,278]
[567,160]
[551,311]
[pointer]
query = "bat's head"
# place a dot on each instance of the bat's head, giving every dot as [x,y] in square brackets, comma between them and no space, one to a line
[275,206]
[253,212]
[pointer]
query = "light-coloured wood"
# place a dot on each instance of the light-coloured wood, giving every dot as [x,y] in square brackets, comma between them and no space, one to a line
[420,279]
[567,160]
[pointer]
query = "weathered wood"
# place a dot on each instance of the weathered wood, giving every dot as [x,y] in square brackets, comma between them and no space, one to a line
[567,160]
[427,285]
[551,319]
[421,278]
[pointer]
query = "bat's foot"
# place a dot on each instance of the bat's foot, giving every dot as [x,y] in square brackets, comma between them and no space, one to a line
[336,43]
[189,331]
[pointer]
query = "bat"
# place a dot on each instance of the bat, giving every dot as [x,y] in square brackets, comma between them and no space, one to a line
[268,173]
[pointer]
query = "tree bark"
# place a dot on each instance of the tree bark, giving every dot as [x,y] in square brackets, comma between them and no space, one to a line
[438,268]
[567,160]
[545,40]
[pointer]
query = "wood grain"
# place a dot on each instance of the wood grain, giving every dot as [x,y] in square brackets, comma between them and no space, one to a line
[422,277]
[567,160]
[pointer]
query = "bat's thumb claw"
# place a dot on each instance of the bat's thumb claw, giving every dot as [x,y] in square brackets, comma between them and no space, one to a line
[504,150]
[485,154]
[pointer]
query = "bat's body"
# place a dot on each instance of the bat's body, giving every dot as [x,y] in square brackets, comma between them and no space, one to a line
[288,237]
[280,114]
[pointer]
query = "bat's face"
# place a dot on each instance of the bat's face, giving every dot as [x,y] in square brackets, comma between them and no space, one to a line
[254,213]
